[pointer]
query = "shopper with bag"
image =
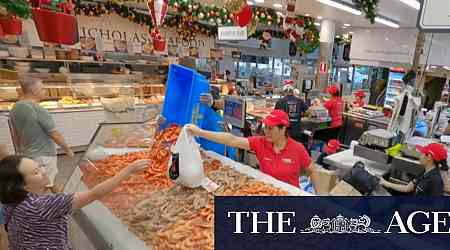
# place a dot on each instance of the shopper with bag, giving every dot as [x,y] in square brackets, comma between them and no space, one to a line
[433,159]
[36,219]
[34,129]
[279,155]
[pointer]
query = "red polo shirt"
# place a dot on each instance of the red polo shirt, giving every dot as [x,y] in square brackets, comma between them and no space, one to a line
[358,103]
[335,108]
[286,165]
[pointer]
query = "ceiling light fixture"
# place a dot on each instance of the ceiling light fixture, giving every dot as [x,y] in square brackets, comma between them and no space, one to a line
[307,14]
[347,25]
[317,24]
[319,17]
[340,6]
[412,3]
[387,22]
[277,5]
[259,1]
[250,3]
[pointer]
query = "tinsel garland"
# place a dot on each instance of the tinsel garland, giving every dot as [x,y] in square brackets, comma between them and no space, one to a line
[311,37]
[192,18]
[369,7]
[18,8]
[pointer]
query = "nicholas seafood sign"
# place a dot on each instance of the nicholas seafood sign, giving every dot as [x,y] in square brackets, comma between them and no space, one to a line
[111,28]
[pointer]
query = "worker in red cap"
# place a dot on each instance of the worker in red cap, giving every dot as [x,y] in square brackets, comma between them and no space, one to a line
[332,147]
[278,155]
[359,99]
[295,107]
[434,160]
[335,107]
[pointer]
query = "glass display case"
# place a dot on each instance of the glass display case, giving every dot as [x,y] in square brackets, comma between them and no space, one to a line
[148,210]
[122,139]
[68,91]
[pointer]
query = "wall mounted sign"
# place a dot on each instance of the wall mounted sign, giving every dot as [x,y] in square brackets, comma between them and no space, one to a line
[234,33]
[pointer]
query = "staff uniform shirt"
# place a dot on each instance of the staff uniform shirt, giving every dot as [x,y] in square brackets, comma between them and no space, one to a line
[286,165]
[358,103]
[430,184]
[335,108]
[295,108]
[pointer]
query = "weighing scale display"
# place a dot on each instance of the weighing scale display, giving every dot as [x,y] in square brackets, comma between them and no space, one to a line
[234,111]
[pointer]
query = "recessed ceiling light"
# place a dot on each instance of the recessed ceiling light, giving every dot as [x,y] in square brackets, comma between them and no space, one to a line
[387,39]
[347,25]
[341,6]
[319,17]
[412,3]
[317,24]
[250,3]
[277,5]
[307,14]
[387,22]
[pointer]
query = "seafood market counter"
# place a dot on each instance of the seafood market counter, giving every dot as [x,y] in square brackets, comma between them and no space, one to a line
[109,228]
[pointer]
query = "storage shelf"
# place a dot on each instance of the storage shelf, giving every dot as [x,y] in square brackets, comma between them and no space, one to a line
[80,61]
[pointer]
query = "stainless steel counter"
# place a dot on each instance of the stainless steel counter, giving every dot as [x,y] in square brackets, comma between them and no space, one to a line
[344,161]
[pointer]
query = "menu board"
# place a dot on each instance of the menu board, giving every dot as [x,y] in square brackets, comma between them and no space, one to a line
[234,111]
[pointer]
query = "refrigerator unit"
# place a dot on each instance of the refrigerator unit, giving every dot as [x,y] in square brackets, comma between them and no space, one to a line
[395,86]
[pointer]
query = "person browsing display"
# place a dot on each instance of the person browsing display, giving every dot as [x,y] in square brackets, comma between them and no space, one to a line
[38,220]
[278,155]
[434,160]
[35,132]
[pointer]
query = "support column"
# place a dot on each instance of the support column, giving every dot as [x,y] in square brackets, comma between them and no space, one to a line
[327,32]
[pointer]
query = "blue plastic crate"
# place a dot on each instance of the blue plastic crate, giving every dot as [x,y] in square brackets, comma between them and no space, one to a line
[212,121]
[183,89]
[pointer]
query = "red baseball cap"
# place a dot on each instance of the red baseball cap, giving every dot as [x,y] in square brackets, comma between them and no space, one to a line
[360,93]
[333,89]
[332,147]
[436,150]
[288,82]
[277,117]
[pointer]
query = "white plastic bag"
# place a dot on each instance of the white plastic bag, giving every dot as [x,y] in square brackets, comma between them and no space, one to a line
[190,162]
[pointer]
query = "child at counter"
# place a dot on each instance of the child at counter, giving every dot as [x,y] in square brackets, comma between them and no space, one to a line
[434,160]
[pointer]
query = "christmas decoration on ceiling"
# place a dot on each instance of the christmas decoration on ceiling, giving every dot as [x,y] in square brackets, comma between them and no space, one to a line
[266,40]
[369,7]
[158,11]
[310,39]
[19,8]
[244,16]
[191,18]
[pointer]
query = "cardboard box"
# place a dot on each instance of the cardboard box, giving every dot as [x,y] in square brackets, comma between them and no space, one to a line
[344,189]
[327,181]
